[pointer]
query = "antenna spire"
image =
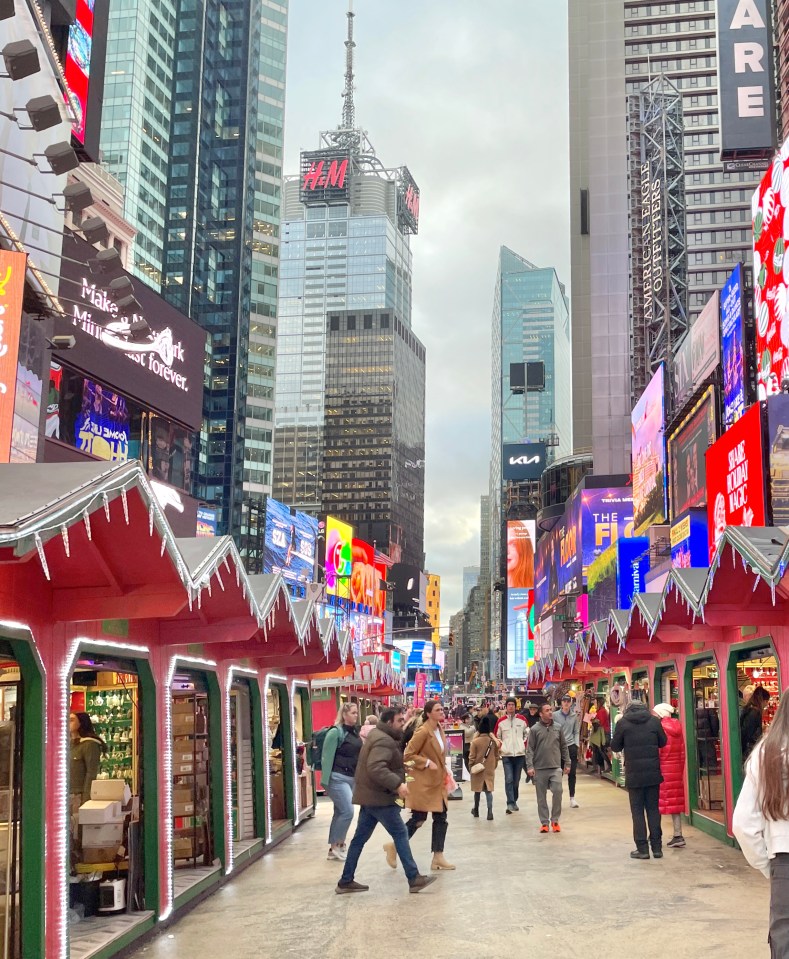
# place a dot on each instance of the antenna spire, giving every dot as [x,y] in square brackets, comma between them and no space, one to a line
[348,108]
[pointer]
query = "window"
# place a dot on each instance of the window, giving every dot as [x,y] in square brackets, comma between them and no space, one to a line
[334,323]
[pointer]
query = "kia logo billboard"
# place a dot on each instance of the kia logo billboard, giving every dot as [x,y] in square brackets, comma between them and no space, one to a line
[524,461]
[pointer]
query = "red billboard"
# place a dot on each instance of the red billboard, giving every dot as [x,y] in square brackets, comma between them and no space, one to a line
[735,477]
[12,284]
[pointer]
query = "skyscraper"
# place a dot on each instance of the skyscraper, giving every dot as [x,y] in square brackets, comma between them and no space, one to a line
[194,107]
[345,343]
[470,580]
[616,48]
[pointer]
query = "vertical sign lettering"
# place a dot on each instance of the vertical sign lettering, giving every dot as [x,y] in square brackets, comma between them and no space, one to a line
[12,282]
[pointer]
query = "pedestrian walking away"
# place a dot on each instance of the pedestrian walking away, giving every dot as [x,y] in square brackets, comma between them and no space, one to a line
[672,766]
[512,731]
[547,756]
[428,792]
[380,783]
[568,719]
[761,822]
[483,759]
[640,736]
[341,748]
[469,732]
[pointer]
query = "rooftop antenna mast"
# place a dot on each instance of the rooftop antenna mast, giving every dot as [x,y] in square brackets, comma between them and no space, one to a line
[349,108]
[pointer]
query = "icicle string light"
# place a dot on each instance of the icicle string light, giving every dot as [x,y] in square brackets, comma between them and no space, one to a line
[64,534]
[42,555]
[106,501]
[150,518]
[86,520]
[125,501]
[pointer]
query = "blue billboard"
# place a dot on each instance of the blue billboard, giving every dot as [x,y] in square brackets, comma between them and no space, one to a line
[732,348]
[632,566]
[290,543]
[690,541]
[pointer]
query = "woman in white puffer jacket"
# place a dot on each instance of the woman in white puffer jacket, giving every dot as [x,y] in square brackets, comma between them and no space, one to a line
[761,822]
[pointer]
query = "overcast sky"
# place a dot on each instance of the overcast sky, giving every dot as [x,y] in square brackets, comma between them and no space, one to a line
[472,97]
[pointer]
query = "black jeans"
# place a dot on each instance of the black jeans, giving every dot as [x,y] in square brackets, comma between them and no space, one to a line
[573,769]
[644,799]
[440,826]
[779,906]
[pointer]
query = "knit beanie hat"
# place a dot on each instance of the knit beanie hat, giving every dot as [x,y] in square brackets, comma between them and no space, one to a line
[663,710]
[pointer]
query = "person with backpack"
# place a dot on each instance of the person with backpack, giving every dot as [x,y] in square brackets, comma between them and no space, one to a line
[341,747]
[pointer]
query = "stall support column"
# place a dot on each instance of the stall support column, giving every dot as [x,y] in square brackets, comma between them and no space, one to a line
[780,636]
[162,664]
[721,651]
[224,677]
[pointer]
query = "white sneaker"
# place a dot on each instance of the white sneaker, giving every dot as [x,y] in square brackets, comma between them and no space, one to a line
[337,853]
[574,803]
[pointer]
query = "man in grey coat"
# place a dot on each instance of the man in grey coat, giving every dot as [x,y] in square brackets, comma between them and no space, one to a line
[547,756]
[568,719]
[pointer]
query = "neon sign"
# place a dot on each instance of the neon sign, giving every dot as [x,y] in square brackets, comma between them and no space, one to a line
[334,176]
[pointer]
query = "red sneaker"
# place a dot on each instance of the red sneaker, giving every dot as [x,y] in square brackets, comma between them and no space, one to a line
[544,829]
[555,826]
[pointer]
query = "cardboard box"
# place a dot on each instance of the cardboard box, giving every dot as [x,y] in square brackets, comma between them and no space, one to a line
[99,854]
[116,790]
[183,808]
[182,794]
[183,849]
[183,769]
[710,792]
[97,811]
[107,834]
[183,707]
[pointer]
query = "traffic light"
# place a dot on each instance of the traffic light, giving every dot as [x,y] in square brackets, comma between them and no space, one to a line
[451,639]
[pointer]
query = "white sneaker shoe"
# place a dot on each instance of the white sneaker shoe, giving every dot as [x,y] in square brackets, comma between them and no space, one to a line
[574,803]
[337,853]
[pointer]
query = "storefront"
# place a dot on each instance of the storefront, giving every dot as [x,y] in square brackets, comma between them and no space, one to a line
[279,729]
[639,689]
[703,726]
[302,731]
[246,766]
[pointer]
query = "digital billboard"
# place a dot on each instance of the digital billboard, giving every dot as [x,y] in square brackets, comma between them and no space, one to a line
[690,541]
[339,558]
[649,454]
[632,566]
[407,202]
[699,353]
[290,543]
[686,448]
[84,69]
[771,276]
[364,576]
[558,568]
[206,521]
[733,348]
[12,284]
[778,454]
[523,461]
[102,424]
[606,516]
[521,537]
[735,477]
[325,176]
[745,79]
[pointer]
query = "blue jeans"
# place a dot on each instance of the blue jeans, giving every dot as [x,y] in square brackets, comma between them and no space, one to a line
[340,789]
[389,817]
[513,767]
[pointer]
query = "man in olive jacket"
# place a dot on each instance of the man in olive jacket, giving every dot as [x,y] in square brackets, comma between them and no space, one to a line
[641,736]
[379,783]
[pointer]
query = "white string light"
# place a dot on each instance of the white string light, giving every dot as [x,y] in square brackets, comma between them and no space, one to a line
[42,555]
[125,501]
[86,520]
[106,500]
[64,534]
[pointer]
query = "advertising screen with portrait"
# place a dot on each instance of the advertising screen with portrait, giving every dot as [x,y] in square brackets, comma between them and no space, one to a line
[339,557]
[686,454]
[102,424]
[290,542]
[521,536]
[649,454]
[365,578]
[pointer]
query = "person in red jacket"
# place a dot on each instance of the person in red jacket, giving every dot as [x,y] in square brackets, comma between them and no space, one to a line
[672,766]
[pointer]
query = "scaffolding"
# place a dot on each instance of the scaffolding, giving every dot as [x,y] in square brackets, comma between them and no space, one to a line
[658,249]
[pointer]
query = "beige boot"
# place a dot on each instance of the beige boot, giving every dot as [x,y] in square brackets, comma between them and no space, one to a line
[440,863]
[391,855]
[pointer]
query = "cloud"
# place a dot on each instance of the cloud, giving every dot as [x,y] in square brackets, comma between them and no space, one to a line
[474,101]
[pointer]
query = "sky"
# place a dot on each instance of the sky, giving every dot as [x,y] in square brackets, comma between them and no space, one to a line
[473,98]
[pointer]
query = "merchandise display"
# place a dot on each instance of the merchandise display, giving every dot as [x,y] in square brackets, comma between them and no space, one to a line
[275,757]
[191,805]
[112,711]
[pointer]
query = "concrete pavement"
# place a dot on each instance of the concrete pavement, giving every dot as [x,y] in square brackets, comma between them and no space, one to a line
[515,892]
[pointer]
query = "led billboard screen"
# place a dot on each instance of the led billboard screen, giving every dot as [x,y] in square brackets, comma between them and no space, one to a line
[558,569]
[649,454]
[735,477]
[290,542]
[632,566]
[206,521]
[522,461]
[102,425]
[521,536]
[778,453]
[606,516]
[733,348]
[690,541]
[364,588]
[12,284]
[686,448]
[699,353]
[339,558]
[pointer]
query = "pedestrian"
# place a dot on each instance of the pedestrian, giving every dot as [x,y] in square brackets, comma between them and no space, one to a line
[640,736]
[761,822]
[751,720]
[482,711]
[469,732]
[512,731]
[367,726]
[428,792]
[380,783]
[546,756]
[532,714]
[341,748]
[672,767]
[484,758]
[568,719]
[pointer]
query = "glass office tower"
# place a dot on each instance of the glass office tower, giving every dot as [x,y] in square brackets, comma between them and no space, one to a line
[195,132]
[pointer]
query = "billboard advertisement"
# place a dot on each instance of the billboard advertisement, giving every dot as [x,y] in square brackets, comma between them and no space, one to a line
[733,347]
[649,454]
[735,477]
[325,176]
[745,79]
[102,424]
[778,455]
[290,543]
[365,589]
[632,566]
[686,448]
[206,521]
[699,353]
[12,284]
[523,461]
[606,516]
[161,366]
[771,276]
[690,541]
[339,558]
[407,202]
[521,537]
[559,559]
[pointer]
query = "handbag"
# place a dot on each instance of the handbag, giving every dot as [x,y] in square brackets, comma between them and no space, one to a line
[480,767]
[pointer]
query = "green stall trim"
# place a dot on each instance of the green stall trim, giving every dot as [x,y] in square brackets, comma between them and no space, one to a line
[258,757]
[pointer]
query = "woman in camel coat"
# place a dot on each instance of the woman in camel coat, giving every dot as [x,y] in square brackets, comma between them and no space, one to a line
[425,761]
[482,782]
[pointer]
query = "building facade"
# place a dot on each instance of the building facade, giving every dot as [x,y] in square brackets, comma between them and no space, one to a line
[434,605]
[616,48]
[470,580]
[194,132]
